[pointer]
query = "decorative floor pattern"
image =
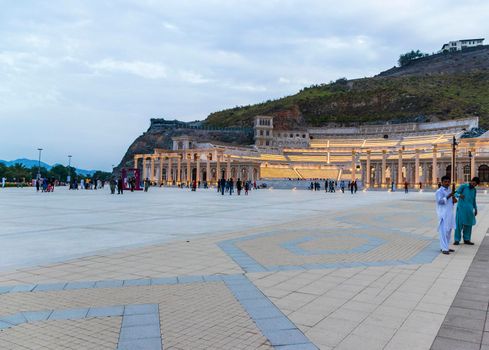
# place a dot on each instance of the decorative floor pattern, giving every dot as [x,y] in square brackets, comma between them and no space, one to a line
[192,310]
[348,247]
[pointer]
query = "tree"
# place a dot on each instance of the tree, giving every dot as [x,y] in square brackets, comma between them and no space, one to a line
[59,172]
[102,175]
[18,172]
[410,56]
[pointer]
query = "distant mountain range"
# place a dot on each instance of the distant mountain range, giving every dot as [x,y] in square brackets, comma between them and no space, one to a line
[30,163]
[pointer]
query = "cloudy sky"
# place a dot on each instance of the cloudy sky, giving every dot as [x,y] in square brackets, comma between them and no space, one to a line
[85,77]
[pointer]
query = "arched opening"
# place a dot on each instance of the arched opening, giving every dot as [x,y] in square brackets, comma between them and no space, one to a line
[484,173]
[194,174]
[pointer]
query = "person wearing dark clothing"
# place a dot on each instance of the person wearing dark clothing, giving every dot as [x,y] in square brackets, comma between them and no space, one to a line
[406,187]
[223,185]
[238,186]
[247,187]
[352,187]
[120,186]
[355,186]
[231,186]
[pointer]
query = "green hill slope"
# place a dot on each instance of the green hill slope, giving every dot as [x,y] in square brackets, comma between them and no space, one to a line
[438,97]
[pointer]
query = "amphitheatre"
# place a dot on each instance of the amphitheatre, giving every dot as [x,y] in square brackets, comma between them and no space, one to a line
[375,155]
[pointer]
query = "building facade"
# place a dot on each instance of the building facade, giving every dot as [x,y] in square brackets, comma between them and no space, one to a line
[459,45]
[379,156]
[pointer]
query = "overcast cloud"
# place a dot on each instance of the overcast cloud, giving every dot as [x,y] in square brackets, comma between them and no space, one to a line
[85,77]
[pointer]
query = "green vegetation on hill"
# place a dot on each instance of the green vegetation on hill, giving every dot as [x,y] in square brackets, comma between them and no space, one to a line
[378,99]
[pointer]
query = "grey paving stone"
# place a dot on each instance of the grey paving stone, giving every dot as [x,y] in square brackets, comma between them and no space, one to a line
[163,281]
[470,335]
[139,332]
[34,316]
[277,323]
[141,309]
[452,344]
[470,313]
[23,288]
[109,284]
[14,319]
[470,304]
[485,338]
[49,287]
[286,337]
[140,320]
[297,347]
[140,344]
[106,311]
[79,285]
[5,325]
[137,282]
[69,314]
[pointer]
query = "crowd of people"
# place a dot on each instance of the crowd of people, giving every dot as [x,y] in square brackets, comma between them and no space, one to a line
[227,186]
[332,185]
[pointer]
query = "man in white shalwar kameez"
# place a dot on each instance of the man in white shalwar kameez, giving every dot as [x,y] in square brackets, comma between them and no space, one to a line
[444,210]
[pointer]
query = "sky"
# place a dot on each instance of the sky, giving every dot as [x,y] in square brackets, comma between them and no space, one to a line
[84,77]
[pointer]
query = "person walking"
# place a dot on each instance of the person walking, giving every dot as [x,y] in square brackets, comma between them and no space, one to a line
[342,186]
[444,211]
[120,186]
[231,186]
[223,185]
[146,185]
[113,183]
[406,187]
[239,186]
[247,187]
[466,211]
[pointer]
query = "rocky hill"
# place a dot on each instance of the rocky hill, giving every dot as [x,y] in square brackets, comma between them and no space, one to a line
[438,87]
[160,133]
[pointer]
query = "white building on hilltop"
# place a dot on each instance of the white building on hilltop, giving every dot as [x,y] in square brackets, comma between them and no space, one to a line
[460,45]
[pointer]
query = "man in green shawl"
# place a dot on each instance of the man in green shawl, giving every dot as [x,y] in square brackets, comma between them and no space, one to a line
[466,211]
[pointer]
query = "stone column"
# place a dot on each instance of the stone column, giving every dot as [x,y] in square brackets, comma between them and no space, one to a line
[152,169]
[228,167]
[434,177]
[416,169]
[400,179]
[218,167]
[208,170]
[472,164]
[179,169]
[250,173]
[136,162]
[145,171]
[160,177]
[384,168]
[168,172]
[189,173]
[353,166]
[197,177]
[377,177]
[368,170]
[329,155]
[459,173]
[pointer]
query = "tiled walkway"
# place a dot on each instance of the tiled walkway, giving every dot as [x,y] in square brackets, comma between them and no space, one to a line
[466,325]
[294,271]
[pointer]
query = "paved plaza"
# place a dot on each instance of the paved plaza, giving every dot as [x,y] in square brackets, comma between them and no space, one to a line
[283,269]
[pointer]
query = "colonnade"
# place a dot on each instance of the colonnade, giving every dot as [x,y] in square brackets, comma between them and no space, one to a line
[420,168]
[175,167]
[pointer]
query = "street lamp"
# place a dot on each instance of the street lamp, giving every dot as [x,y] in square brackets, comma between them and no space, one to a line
[39,164]
[69,171]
